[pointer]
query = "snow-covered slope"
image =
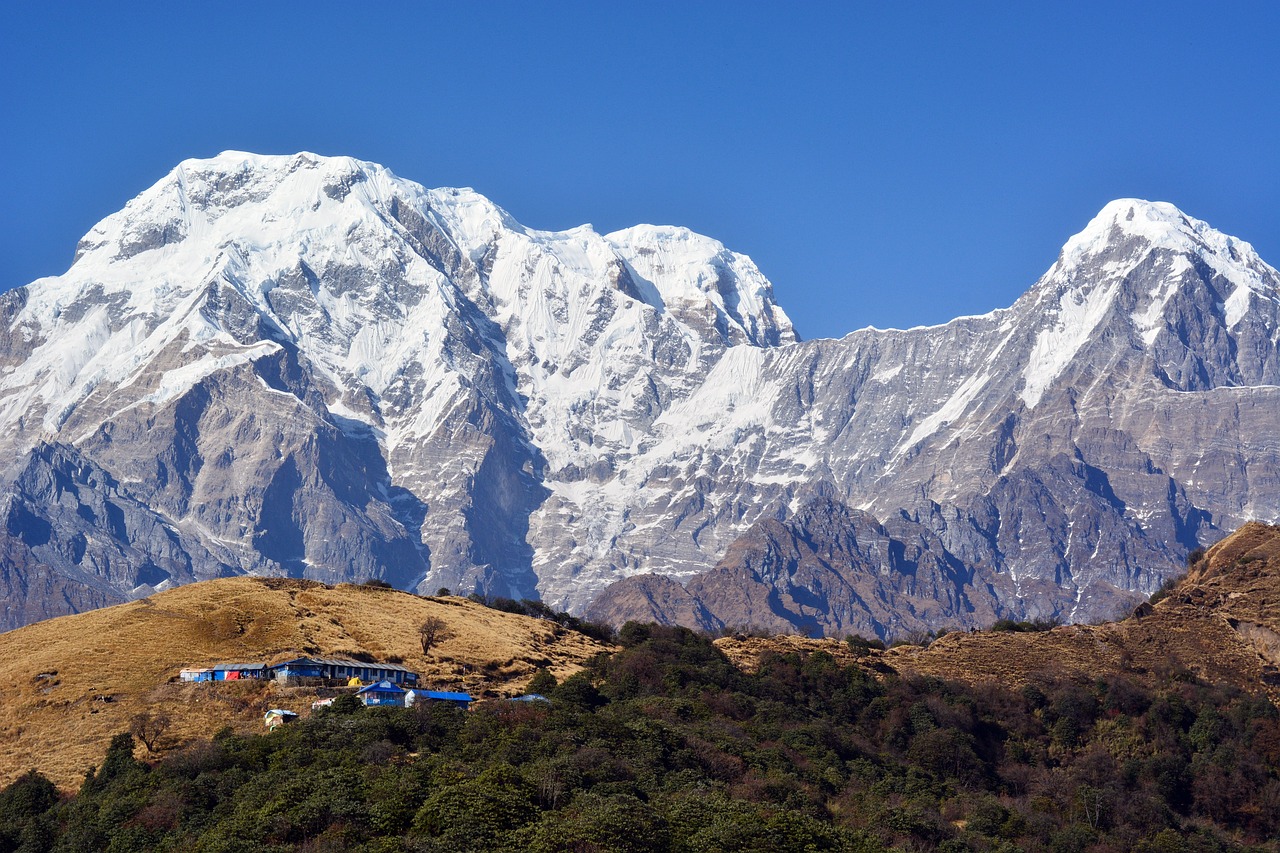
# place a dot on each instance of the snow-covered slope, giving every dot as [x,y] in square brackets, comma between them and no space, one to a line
[307,365]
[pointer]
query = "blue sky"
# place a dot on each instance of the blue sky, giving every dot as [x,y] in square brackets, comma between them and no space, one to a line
[887,164]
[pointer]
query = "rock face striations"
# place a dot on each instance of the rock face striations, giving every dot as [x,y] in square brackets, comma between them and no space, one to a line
[1039,461]
[306,366]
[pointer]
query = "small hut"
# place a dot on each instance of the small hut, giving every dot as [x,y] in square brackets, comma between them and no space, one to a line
[238,671]
[277,717]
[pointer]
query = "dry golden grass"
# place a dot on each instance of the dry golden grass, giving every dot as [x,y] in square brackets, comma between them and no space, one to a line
[1221,624]
[68,685]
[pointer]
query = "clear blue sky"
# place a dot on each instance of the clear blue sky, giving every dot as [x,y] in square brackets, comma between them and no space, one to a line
[887,164]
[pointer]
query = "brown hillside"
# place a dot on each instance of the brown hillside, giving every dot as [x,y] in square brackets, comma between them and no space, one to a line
[1220,624]
[68,685]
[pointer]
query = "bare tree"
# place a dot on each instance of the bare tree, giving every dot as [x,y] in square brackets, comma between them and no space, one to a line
[149,728]
[433,630]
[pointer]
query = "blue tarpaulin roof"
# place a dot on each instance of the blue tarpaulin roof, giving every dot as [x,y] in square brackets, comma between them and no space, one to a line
[441,694]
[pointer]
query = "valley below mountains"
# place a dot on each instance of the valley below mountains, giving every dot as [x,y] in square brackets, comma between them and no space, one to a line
[308,367]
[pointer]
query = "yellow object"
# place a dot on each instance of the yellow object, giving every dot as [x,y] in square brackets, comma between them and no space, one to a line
[354,682]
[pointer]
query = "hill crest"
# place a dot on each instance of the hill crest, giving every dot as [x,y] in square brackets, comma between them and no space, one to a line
[67,685]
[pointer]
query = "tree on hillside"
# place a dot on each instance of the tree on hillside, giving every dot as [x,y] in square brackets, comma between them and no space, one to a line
[149,728]
[433,630]
[542,682]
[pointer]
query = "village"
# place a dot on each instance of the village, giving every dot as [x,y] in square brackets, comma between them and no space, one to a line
[373,683]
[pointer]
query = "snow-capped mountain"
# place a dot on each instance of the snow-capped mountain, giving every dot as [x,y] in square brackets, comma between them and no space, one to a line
[309,366]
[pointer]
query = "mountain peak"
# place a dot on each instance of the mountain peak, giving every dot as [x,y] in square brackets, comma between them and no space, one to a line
[1148,269]
[247,192]
[1155,224]
[231,162]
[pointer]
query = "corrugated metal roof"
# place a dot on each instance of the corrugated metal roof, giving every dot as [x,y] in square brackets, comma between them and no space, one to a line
[240,667]
[392,667]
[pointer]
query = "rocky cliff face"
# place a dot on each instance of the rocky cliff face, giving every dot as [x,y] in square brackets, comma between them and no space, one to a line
[828,570]
[307,366]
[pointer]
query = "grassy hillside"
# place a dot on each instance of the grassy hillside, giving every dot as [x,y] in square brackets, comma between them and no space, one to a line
[68,685]
[1220,624]
[1159,733]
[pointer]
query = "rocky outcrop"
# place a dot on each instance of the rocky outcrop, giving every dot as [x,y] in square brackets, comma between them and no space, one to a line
[655,598]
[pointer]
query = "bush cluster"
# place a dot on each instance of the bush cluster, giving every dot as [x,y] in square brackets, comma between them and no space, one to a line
[1032,626]
[600,631]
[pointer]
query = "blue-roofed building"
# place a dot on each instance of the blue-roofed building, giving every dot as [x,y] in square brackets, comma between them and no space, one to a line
[298,668]
[382,693]
[306,669]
